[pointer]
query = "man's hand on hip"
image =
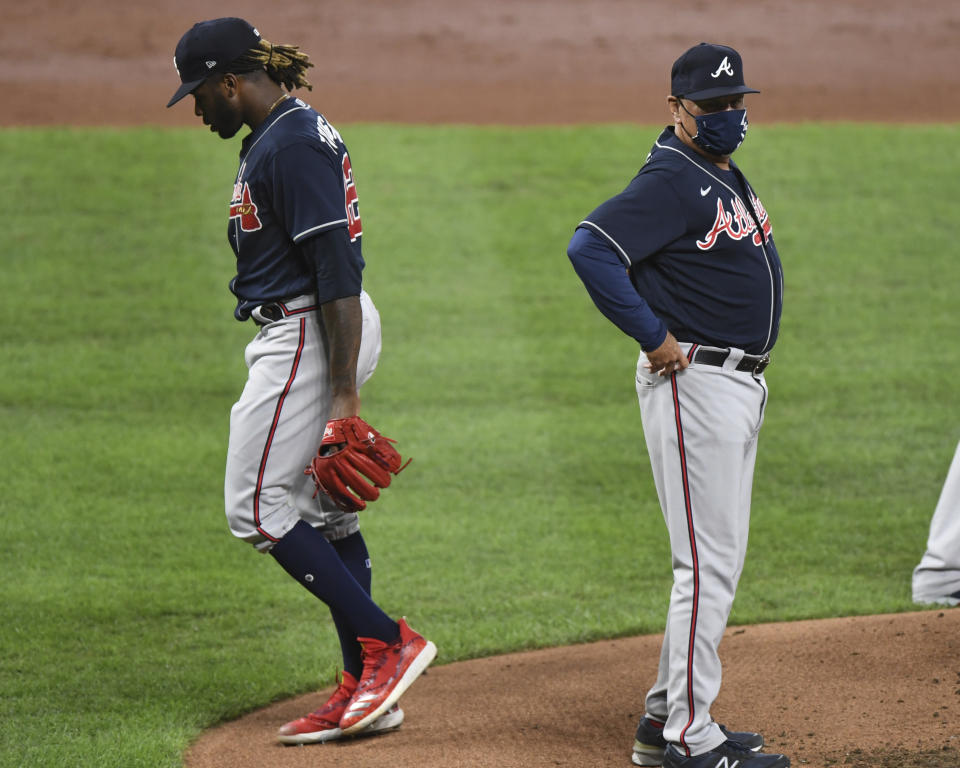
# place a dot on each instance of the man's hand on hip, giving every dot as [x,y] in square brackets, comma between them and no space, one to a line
[667,358]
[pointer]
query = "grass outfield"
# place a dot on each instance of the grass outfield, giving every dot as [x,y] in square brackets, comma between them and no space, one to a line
[129,617]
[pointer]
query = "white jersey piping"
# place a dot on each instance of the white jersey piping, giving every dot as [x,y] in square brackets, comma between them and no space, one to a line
[623,253]
[329,224]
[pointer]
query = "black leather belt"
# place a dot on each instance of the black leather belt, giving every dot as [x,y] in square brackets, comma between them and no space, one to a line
[749,363]
[272,311]
[269,312]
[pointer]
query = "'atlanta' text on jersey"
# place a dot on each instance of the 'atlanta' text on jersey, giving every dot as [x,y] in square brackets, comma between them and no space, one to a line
[737,225]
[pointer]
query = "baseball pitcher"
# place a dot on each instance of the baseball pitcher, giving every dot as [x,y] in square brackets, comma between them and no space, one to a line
[301,462]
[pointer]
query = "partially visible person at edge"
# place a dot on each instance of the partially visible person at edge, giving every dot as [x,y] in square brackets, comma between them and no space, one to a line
[295,228]
[936,580]
[683,261]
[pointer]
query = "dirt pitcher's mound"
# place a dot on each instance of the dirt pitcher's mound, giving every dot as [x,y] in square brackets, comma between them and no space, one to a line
[871,691]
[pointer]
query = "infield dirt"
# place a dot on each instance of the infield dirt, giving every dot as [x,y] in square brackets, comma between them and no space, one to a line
[500,61]
[869,691]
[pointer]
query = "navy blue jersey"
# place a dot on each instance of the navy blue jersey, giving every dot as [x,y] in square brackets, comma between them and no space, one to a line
[295,181]
[698,247]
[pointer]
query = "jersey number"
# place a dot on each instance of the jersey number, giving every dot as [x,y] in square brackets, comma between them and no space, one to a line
[351,203]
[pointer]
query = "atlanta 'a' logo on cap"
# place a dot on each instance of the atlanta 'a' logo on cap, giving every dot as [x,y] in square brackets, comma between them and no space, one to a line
[724,68]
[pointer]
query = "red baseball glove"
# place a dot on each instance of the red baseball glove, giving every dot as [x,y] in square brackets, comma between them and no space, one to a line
[354,475]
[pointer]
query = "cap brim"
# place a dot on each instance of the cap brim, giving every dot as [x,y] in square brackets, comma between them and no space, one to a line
[712,93]
[183,90]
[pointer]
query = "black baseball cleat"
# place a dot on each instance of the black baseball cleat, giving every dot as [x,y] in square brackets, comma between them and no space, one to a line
[730,754]
[649,744]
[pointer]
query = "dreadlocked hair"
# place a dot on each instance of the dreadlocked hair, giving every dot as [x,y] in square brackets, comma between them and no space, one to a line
[285,64]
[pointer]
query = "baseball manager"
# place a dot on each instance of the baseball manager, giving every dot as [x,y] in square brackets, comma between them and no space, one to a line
[683,260]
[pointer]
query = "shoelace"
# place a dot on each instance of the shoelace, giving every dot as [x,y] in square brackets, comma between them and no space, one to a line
[340,697]
[727,733]
[371,647]
[736,748]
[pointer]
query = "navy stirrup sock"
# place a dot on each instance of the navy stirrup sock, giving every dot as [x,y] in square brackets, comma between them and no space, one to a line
[306,555]
[353,553]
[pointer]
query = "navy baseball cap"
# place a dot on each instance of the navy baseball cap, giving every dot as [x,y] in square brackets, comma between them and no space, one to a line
[209,47]
[707,71]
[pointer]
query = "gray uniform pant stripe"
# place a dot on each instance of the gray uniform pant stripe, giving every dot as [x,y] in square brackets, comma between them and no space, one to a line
[701,427]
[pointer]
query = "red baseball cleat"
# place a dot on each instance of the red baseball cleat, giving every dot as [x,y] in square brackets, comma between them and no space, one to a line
[324,723]
[388,670]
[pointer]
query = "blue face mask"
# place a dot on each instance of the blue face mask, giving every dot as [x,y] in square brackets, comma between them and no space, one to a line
[720,133]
